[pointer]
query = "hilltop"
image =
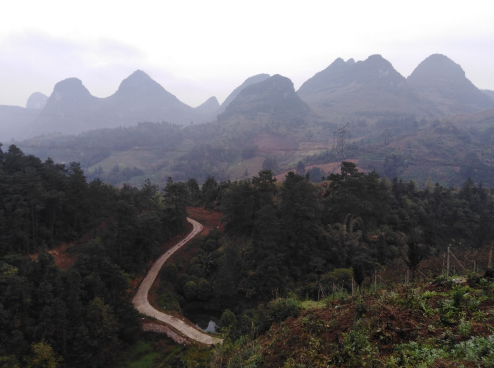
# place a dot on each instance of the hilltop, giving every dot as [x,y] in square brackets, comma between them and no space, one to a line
[365,89]
[443,82]
[72,109]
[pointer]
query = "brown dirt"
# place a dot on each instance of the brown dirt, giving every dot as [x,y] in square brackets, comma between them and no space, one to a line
[60,256]
[209,219]
[390,325]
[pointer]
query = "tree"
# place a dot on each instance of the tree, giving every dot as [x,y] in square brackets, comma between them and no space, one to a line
[300,169]
[228,320]
[316,174]
[299,213]
[193,190]
[190,290]
[43,356]
[209,191]
[203,290]
[270,163]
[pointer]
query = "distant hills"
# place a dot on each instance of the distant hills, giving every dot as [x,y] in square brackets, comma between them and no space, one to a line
[443,82]
[14,121]
[366,90]
[488,93]
[434,124]
[72,109]
[251,80]
[36,101]
[274,97]
[363,89]
[374,89]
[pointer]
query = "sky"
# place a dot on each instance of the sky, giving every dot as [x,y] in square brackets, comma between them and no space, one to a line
[199,49]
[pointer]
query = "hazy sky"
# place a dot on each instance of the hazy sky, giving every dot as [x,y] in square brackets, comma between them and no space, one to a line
[197,49]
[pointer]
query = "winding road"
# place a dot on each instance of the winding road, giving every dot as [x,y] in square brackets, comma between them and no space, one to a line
[141,302]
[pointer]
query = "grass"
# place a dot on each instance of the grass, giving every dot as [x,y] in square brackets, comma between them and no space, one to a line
[152,351]
[141,356]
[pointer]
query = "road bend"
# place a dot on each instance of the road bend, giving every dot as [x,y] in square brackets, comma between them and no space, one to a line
[141,302]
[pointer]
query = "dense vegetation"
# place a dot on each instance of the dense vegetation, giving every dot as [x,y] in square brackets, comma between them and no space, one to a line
[80,316]
[283,242]
[288,237]
[297,240]
[446,322]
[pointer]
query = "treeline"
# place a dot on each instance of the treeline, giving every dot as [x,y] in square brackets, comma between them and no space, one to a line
[300,237]
[82,316]
[91,147]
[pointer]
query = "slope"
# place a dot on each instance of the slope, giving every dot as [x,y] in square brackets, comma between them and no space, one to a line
[72,109]
[442,81]
[363,89]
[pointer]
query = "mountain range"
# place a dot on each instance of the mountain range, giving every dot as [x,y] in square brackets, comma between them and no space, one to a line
[344,91]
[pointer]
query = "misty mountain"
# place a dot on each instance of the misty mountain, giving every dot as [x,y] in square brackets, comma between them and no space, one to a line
[273,99]
[488,93]
[210,106]
[443,82]
[14,121]
[370,88]
[36,101]
[72,109]
[251,80]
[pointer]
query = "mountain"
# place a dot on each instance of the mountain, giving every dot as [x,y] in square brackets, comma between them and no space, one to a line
[251,80]
[442,81]
[210,106]
[36,101]
[272,99]
[370,88]
[72,109]
[488,93]
[14,122]
[140,98]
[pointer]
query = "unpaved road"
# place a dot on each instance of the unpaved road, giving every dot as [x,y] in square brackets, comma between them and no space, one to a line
[141,302]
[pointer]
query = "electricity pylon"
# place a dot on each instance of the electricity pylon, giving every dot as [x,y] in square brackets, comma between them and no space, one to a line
[339,140]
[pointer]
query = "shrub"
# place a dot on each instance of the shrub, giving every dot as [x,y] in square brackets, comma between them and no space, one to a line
[190,290]
[170,271]
[196,270]
[203,290]
[211,245]
[168,301]
[228,320]
[280,309]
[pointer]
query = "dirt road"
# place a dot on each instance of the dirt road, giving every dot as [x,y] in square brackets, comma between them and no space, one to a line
[141,302]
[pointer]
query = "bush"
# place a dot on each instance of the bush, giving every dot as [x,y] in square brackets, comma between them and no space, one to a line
[181,281]
[228,320]
[168,301]
[211,245]
[203,290]
[196,270]
[170,271]
[190,290]
[280,309]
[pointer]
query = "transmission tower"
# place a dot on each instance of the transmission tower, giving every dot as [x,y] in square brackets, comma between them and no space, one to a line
[339,140]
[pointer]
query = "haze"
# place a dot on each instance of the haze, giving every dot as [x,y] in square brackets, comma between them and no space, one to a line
[198,49]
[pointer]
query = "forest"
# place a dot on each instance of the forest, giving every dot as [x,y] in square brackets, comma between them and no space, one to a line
[290,237]
[81,316]
[281,240]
